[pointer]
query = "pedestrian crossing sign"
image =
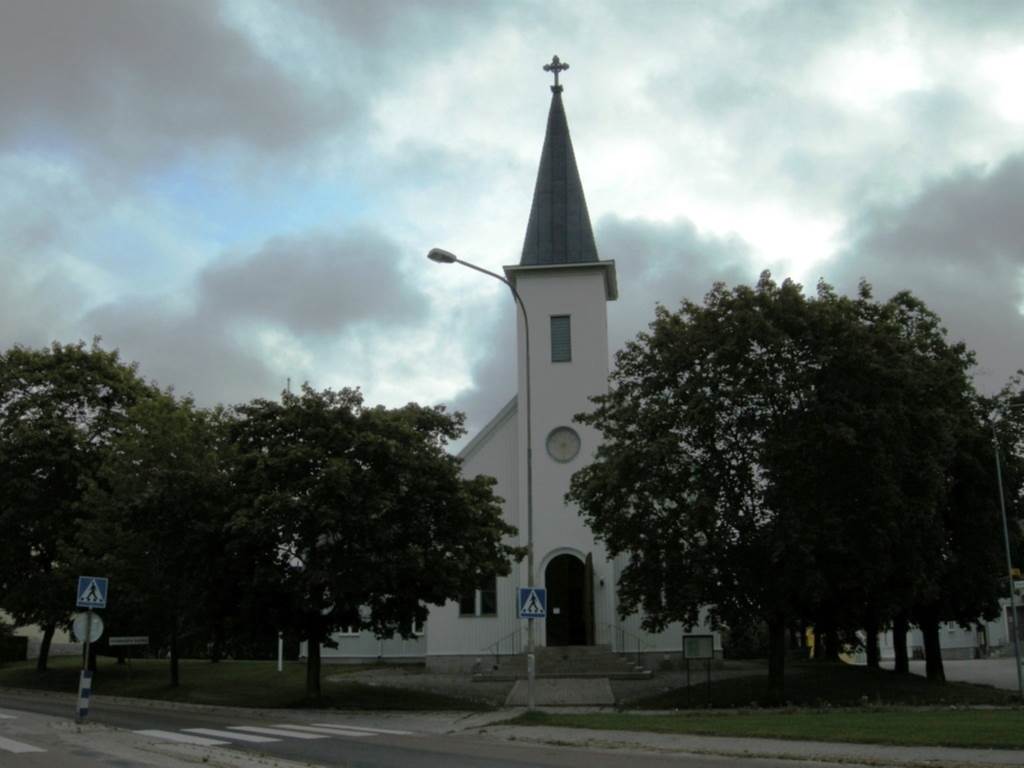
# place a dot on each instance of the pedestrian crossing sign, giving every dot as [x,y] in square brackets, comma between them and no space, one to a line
[533,602]
[92,592]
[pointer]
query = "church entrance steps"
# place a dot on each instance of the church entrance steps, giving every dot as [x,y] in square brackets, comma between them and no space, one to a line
[564,692]
[579,662]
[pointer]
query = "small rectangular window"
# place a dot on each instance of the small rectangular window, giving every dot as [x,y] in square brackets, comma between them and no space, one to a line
[489,597]
[482,601]
[561,339]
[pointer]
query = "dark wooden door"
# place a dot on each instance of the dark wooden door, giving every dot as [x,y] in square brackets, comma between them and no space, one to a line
[564,578]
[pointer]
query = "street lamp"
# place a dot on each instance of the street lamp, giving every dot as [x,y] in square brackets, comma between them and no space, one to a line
[1009,561]
[442,256]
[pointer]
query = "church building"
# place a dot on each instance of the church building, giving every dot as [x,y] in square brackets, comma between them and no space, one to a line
[564,287]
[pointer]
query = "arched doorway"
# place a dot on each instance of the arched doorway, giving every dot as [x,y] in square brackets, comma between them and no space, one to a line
[565,578]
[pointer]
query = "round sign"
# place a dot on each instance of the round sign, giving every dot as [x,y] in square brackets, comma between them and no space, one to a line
[95,627]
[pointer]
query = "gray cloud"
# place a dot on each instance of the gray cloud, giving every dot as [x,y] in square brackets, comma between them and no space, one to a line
[959,245]
[494,376]
[316,287]
[40,295]
[192,353]
[138,82]
[664,263]
[315,284]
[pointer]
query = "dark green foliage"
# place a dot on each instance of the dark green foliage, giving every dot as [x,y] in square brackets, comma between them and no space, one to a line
[829,684]
[233,684]
[159,512]
[12,647]
[60,408]
[358,516]
[797,461]
[749,641]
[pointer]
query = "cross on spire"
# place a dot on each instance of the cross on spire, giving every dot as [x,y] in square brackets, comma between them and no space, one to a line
[556,66]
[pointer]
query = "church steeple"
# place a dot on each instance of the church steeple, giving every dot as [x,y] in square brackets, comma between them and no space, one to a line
[559,230]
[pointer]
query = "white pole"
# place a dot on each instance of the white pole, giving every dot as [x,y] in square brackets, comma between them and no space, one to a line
[1009,569]
[445,257]
[280,652]
[85,677]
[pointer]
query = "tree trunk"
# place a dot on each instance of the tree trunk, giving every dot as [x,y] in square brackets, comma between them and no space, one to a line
[831,638]
[44,646]
[795,640]
[174,653]
[900,625]
[313,664]
[776,660]
[932,650]
[874,653]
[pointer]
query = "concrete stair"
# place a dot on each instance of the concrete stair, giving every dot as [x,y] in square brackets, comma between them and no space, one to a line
[566,661]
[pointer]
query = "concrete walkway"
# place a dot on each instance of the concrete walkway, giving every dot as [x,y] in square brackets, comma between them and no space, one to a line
[558,692]
[999,673]
[566,691]
[731,747]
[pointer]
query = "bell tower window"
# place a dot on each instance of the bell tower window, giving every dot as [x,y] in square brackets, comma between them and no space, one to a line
[561,339]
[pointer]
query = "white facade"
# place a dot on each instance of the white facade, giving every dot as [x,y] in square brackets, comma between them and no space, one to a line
[564,287]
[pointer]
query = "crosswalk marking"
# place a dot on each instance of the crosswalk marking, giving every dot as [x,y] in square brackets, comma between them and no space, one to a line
[17,747]
[230,735]
[184,738]
[6,717]
[365,728]
[276,732]
[330,731]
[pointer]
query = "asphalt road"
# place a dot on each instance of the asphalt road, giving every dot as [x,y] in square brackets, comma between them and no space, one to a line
[357,739]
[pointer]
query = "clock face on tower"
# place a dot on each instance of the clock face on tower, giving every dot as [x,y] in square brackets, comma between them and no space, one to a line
[563,444]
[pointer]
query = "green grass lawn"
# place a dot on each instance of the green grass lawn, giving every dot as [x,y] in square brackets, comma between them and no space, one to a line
[228,683]
[818,684]
[985,728]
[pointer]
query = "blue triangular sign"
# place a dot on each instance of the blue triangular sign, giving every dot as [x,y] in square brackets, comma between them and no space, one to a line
[532,603]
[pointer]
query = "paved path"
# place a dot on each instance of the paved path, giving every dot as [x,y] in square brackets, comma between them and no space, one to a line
[999,673]
[166,735]
[736,749]
[565,691]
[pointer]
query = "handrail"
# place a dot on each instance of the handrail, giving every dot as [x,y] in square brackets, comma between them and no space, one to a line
[512,640]
[623,639]
[624,642]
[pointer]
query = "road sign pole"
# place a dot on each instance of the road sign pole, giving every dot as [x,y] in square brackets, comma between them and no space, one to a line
[88,636]
[85,678]
[531,669]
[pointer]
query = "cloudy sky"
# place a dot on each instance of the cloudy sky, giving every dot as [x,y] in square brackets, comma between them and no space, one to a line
[235,193]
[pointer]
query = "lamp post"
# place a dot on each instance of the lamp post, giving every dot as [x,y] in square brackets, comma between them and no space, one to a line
[1009,561]
[442,256]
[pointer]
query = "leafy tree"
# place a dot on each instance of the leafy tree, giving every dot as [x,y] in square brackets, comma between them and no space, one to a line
[60,407]
[159,513]
[683,484]
[358,516]
[789,460]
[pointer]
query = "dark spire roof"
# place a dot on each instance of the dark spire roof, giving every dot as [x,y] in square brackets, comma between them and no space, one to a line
[559,230]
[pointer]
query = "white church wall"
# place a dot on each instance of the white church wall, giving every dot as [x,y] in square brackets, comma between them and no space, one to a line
[463,638]
[365,646]
[669,641]
[561,390]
